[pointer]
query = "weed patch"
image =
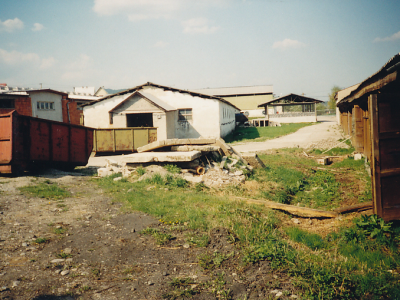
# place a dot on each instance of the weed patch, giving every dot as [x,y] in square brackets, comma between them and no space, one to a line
[161,238]
[45,190]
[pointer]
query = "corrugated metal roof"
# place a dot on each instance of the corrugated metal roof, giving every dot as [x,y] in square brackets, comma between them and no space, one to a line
[166,88]
[295,98]
[83,97]
[236,91]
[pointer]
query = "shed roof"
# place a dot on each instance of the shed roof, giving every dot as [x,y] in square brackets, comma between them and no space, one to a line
[237,91]
[291,98]
[384,77]
[166,88]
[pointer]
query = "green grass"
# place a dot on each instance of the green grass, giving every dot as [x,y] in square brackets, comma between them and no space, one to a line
[160,237]
[261,134]
[45,190]
[361,261]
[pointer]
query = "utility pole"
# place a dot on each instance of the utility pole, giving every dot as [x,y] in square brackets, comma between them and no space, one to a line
[40,85]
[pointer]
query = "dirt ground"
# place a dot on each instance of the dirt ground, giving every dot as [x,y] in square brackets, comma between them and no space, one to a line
[88,246]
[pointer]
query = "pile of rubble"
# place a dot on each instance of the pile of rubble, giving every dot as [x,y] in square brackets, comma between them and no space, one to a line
[207,161]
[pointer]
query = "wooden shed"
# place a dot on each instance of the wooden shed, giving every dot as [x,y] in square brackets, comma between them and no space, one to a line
[370,115]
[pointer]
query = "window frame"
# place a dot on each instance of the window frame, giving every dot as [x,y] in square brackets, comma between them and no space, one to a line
[45,105]
[185,114]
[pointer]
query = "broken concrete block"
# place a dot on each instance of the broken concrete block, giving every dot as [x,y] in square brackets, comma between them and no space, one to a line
[357,156]
[253,160]
[322,161]
[223,162]
[111,163]
[103,172]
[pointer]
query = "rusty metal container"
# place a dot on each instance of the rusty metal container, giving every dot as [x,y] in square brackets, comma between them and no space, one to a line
[123,139]
[26,142]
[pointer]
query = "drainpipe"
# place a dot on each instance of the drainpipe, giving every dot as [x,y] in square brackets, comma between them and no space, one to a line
[69,118]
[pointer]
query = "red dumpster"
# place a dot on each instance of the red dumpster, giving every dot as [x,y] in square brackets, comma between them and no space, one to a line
[26,142]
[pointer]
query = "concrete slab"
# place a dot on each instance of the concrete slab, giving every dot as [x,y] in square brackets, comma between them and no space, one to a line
[175,142]
[147,157]
[203,148]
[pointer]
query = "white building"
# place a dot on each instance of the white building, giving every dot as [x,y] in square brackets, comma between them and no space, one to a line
[175,113]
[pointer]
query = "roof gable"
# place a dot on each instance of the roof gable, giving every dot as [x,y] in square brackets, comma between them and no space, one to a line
[152,101]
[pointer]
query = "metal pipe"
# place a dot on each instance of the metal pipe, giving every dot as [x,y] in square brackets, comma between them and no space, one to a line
[69,118]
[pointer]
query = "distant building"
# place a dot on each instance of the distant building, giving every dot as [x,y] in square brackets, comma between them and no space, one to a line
[175,113]
[246,98]
[40,103]
[291,108]
[341,95]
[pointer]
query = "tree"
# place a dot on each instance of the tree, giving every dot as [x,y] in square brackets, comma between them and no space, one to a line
[332,100]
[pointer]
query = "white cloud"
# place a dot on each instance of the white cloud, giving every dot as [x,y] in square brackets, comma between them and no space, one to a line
[79,69]
[198,25]
[11,25]
[161,44]
[287,43]
[47,63]
[37,27]
[15,57]
[138,10]
[391,38]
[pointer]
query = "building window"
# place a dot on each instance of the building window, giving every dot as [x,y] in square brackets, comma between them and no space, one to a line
[7,103]
[185,114]
[45,105]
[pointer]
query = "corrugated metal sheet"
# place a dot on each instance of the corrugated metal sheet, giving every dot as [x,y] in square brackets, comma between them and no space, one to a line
[237,91]
[166,88]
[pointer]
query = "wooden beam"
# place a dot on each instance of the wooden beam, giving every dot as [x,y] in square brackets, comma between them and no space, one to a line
[356,207]
[295,210]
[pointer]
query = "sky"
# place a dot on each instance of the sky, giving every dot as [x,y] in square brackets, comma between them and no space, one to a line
[298,46]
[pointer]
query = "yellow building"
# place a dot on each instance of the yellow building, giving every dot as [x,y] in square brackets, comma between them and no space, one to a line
[246,98]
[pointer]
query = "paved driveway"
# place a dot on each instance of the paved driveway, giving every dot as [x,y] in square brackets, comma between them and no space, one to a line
[303,138]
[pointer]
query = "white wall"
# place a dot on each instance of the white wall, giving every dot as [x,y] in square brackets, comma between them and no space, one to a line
[227,118]
[205,113]
[253,113]
[301,119]
[96,115]
[209,119]
[54,115]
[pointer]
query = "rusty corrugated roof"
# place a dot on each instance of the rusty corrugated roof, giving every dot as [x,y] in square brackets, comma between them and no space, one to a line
[385,75]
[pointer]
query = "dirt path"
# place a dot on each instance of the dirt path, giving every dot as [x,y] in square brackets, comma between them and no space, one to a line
[326,132]
[88,247]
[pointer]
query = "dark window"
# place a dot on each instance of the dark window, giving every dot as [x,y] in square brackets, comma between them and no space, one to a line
[139,120]
[185,114]
[45,105]
[111,118]
[7,103]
